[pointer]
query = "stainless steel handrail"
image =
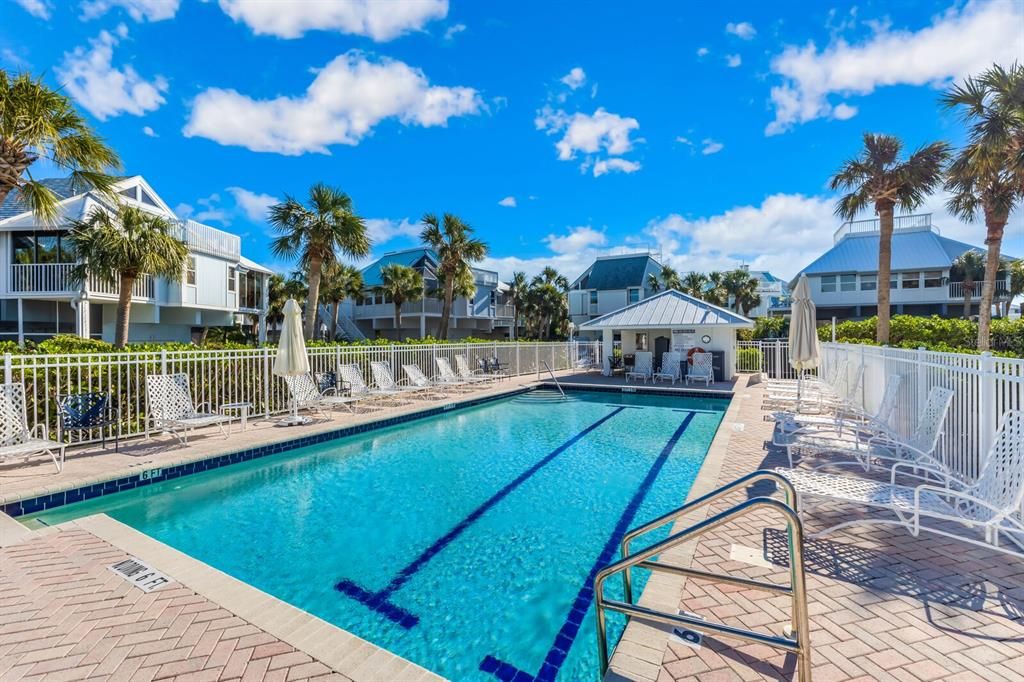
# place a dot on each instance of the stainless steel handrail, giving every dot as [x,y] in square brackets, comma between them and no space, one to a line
[553,377]
[798,639]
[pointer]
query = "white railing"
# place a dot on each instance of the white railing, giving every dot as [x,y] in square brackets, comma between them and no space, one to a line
[205,239]
[143,289]
[42,278]
[228,376]
[770,356]
[956,289]
[900,222]
[505,311]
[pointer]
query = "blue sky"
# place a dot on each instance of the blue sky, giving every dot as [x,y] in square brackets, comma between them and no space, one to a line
[560,131]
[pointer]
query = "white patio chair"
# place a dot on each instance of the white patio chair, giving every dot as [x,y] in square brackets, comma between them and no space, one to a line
[825,376]
[17,440]
[385,380]
[643,367]
[352,380]
[419,379]
[702,369]
[844,418]
[169,408]
[304,392]
[844,395]
[991,502]
[882,447]
[446,375]
[475,377]
[671,369]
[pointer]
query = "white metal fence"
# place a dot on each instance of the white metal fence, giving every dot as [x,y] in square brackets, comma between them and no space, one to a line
[770,356]
[218,377]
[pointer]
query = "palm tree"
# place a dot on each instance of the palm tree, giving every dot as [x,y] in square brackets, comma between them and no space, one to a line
[400,283]
[338,283]
[742,288]
[457,250]
[987,175]
[315,234]
[694,284]
[117,248]
[38,123]
[715,292]
[970,265]
[517,289]
[670,278]
[877,177]
[653,283]
[548,296]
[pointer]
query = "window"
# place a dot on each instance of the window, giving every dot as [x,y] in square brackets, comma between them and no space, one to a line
[933,279]
[368,300]
[848,282]
[232,278]
[828,284]
[146,199]
[130,193]
[29,248]
[641,341]
[593,298]
[894,282]
[632,295]
[868,282]
[190,271]
[911,280]
[24,246]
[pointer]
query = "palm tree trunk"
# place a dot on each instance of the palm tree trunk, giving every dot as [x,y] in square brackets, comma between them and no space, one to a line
[968,293]
[335,313]
[885,225]
[124,310]
[446,309]
[14,161]
[993,242]
[398,321]
[313,297]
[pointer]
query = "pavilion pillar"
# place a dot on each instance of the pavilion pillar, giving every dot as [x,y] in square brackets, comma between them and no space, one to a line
[607,346]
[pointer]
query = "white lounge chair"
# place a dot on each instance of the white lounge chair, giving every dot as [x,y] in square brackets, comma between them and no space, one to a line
[826,376]
[419,379]
[643,367]
[883,447]
[478,376]
[702,369]
[17,440]
[445,374]
[844,393]
[169,408]
[352,380]
[844,419]
[991,502]
[385,380]
[671,369]
[306,395]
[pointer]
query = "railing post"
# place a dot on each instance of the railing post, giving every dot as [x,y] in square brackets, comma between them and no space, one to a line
[267,378]
[987,418]
[163,362]
[8,369]
[518,345]
[536,358]
[922,382]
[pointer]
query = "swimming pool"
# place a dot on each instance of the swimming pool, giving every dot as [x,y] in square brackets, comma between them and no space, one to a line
[466,542]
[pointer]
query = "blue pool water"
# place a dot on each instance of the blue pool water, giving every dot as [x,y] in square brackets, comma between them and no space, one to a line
[465,542]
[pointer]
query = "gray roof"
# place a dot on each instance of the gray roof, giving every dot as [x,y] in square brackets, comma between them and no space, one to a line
[918,249]
[14,204]
[668,309]
[619,272]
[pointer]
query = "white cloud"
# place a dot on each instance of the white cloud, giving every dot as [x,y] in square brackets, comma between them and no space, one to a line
[843,111]
[590,134]
[149,132]
[577,239]
[454,31]
[139,10]
[381,21]
[184,210]
[383,230]
[957,43]
[614,165]
[744,30]
[253,204]
[345,101]
[37,8]
[711,147]
[508,202]
[703,52]
[212,210]
[104,90]
[684,140]
[733,60]
[575,78]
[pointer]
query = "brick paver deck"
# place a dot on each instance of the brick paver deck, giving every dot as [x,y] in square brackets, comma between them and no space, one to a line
[883,604]
[64,616]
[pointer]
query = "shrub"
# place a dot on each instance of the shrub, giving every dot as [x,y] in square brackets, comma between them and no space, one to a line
[933,333]
[749,359]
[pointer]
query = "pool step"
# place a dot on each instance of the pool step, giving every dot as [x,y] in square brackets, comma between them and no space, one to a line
[544,395]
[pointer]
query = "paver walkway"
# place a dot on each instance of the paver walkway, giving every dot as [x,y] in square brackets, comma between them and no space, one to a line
[64,616]
[883,604]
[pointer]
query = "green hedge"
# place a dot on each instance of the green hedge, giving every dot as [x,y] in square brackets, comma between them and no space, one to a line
[934,333]
[749,359]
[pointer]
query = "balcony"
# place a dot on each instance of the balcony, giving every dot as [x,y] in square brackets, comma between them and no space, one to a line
[956,289]
[209,240]
[900,222]
[55,278]
[504,311]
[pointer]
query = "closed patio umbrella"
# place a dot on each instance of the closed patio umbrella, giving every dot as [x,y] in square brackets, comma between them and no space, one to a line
[291,357]
[804,350]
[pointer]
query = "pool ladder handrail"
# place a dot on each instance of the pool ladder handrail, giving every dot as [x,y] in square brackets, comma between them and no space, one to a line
[554,378]
[797,639]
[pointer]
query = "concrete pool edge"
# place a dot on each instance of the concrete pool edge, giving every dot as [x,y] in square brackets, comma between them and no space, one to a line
[639,653]
[339,649]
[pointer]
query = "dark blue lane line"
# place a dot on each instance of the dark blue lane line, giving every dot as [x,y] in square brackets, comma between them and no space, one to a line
[380,601]
[585,597]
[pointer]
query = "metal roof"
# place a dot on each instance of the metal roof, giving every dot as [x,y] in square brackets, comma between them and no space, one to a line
[253,265]
[616,272]
[409,258]
[14,205]
[668,309]
[912,249]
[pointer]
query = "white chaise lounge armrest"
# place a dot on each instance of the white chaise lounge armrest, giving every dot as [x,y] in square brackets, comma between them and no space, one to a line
[959,498]
[42,433]
[937,470]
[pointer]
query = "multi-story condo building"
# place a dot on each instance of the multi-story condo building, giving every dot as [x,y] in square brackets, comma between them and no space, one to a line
[611,283]
[773,291]
[844,280]
[485,315]
[38,298]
